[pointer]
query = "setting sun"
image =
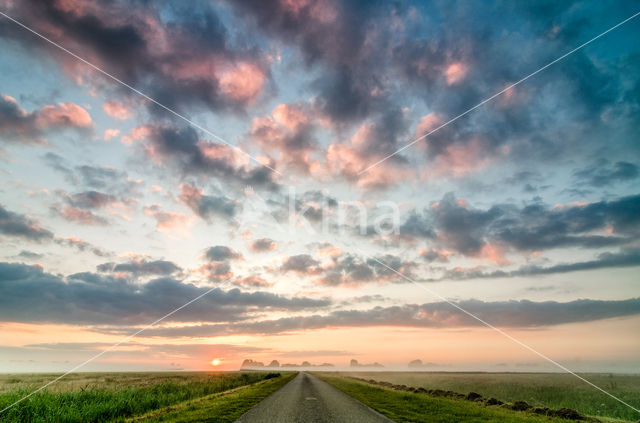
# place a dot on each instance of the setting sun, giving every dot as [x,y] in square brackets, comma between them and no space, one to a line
[215,362]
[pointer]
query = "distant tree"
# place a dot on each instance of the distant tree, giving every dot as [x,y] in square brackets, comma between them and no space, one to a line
[415,363]
[274,363]
[354,363]
[249,363]
[306,364]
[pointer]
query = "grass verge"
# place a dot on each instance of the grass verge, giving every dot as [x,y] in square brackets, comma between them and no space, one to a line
[219,408]
[410,407]
[117,401]
[554,390]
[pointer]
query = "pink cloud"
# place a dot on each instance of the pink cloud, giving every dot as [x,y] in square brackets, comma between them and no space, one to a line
[86,217]
[462,159]
[495,254]
[111,133]
[116,110]
[455,72]
[17,123]
[167,221]
[214,271]
[287,133]
[253,282]
[428,123]
[348,161]
[63,115]
[242,82]
[262,245]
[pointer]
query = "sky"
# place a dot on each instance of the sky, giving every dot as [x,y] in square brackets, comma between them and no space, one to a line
[293,164]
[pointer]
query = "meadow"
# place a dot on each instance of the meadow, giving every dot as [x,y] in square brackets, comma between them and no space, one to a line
[225,396]
[93,397]
[554,390]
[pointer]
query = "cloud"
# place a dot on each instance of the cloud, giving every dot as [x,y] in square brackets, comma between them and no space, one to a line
[166,220]
[373,141]
[263,244]
[181,147]
[301,264]
[601,174]
[215,271]
[350,270]
[116,110]
[431,254]
[455,225]
[207,206]
[88,298]
[82,245]
[185,60]
[29,255]
[629,257]
[345,269]
[21,226]
[140,266]
[16,124]
[77,215]
[253,281]
[221,253]
[511,314]
[288,132]
[81,207]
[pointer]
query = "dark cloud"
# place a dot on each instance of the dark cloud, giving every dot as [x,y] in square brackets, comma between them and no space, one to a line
[181,147]
[516,314]
[19,125]
[88,298]
[90,200]
[332,34]
[625,258]
[262,245]
[601,174]
[181,56]
[78,215]
[84,246]
[141,266]
[312,205]
[351,270]
[454,224]
[107,180]
[208,206]
[221,253]
[29,255]
[21,226]
[301,263]
[434,255]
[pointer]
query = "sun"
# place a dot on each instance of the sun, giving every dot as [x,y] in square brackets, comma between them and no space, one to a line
[215,362]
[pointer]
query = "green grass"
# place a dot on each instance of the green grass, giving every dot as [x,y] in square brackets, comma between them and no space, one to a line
[402,406]
[220,408]
[552,390]
[122,395]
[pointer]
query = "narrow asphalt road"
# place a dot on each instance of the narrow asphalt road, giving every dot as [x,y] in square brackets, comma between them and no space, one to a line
[308,399]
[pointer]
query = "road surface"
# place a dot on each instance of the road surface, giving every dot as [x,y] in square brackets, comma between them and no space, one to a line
[308,399]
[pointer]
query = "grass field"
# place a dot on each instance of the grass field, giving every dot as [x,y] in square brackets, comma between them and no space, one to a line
[219,408]
[538,389]
[223,397]
[116,396]
[421,408]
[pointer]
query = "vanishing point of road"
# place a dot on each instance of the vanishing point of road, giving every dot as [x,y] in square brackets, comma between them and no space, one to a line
[308,399]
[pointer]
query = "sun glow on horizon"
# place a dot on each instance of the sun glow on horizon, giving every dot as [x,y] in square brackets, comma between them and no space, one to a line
[215,362]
